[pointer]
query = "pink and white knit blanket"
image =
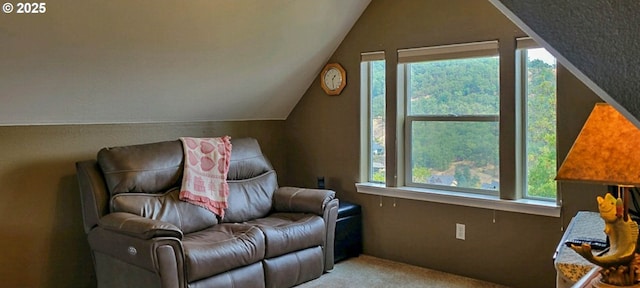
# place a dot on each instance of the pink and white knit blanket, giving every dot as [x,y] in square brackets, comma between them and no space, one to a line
[204,181]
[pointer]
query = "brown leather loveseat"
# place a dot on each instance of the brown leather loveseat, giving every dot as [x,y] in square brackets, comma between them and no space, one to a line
[142,235]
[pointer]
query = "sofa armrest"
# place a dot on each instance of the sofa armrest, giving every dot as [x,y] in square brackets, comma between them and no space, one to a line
[115,251]
[139,227]
[318,201]
[292,199]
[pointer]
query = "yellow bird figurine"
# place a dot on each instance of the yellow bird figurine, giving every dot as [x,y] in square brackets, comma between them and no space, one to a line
[623,236]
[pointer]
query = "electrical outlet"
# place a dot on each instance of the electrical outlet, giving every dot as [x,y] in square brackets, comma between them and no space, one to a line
[460,233]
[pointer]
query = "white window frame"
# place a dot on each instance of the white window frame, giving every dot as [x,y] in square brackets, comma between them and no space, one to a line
[446,52]
[366,152]
[522,44]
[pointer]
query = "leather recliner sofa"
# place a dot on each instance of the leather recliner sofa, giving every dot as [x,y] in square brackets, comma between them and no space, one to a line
[142,235]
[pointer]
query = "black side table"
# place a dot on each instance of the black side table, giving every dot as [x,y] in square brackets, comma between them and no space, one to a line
[348,241]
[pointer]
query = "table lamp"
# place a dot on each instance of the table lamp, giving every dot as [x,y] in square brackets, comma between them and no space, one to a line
[607,151]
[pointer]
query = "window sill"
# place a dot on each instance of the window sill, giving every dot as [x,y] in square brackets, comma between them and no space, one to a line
[527,206]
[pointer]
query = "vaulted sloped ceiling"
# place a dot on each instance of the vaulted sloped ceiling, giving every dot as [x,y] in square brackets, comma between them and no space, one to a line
[126,61]
[597,40]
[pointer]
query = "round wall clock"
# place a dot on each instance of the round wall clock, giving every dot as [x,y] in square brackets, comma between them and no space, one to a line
[333,78]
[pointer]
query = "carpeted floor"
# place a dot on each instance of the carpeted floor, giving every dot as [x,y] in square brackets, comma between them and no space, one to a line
[371,272]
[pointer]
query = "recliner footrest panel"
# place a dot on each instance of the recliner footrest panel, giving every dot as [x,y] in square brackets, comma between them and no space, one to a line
[294,268]
[248,276]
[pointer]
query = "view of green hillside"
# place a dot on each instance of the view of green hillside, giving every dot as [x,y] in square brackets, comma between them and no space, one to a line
[465,153]
[541,129]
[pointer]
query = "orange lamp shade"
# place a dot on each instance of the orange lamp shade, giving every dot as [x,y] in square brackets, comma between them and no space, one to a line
[607,150]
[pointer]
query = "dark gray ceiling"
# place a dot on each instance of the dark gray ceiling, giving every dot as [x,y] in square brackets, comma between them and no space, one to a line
[597,40]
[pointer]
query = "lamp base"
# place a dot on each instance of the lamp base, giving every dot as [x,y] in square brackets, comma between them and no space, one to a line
[597,283]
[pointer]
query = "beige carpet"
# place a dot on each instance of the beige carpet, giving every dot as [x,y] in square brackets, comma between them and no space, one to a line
[371,272]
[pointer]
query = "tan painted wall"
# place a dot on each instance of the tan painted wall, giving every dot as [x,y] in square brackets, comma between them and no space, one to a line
[323,134]
[42,237]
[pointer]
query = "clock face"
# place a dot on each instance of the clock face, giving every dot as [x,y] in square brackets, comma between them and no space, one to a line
[332,79]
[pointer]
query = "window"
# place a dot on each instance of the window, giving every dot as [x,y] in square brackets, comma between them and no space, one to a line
[536,69]
[373,80]
[449,110]
[452,117]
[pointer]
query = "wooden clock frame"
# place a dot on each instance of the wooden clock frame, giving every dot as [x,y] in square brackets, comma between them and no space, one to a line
[343,74]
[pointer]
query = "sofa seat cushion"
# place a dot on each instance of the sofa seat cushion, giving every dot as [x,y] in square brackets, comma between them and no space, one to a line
[221,248]
[288,232]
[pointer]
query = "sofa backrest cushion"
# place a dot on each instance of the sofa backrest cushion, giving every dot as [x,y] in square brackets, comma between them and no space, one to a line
[146,168]
[250,198]
[247,160]
[155,168]
[252,182]
[165,207]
